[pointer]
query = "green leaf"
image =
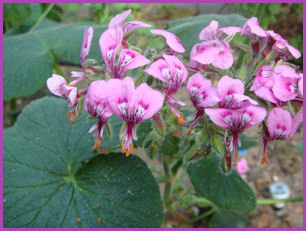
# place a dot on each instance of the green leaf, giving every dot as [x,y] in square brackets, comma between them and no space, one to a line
[229,219]
[15,15]
[28,58]
[188,29]
[52,177]
[170,145]
[143,131]
[229,192]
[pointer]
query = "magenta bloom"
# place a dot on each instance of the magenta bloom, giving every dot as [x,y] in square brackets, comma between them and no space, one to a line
[202,95]
[173,72]
[213,50]
[96,104]
[231,93]
[282,47]
[117,22]
[110,42]
[133,106]
[57,85]
[171,40]
[280,126]
[242,166]
[252,29]
[236,121]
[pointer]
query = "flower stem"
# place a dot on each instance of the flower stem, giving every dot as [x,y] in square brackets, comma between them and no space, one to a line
[168,185]
[46,12]
[277,201]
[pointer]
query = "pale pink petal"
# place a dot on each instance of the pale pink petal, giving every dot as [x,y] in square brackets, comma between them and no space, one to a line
[109,43]
[77,74]
[301,85]
[119,19]
[264,78]
[120,93]
[197,80]
[242,166]
[177,67]
[279,122]
[160,69]
[72,95]
[267,94]
[206,52]
[211,98]
[243,101]
[297,120]
[131,25]
[56,85]
[256,114]
[171,40]
[229,86]
[286,71]
[88,34]
[224,59]
[146,102]
[251,27]
[294,52]
[285,89]
[231,30]
[129,59]
[219,116]
[209,32]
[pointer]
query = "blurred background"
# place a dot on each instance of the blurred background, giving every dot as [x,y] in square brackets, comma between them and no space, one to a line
[285,165]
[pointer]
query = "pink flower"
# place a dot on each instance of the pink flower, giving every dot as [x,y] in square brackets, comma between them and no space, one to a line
[173,72]
[211,32]
[117,22]
[202,95]
[252,29]
[96,104]
[281,46]
[171,40]
[286,83]
[88,34]
[280,126]
[213,50]
[242,166]
[133,106]
[231,93]
[57,85]
[110,42]
[236,121]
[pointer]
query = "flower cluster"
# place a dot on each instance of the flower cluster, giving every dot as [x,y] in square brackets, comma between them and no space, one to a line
[229,104]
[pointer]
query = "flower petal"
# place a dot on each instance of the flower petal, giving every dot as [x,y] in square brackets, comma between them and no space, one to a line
[297,120]
[209,32]
[206,52]
[279,118]
[285,89]
[131,25]
[228,86]
[257,115]
[177,67]
[56,84]
[147,98]
[119,19]
[224,59]
[109,43]
[129,59]
[251,27]
[159,70]
[219,115]
[171,40]
[88,34]
[301,85]
[230,30]
[120,91]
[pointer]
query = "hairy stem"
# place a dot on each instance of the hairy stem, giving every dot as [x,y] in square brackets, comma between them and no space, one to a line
[46,12]
[277,201]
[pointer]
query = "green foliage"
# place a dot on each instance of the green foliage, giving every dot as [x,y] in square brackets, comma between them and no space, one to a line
[229,219]
[15,15]
[186,27]
[52,177]
[227,191]
[29,57]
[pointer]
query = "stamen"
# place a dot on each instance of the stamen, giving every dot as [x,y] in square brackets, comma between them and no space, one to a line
[101,138]
[122,143]
[70,112]
[264,158]
[97,144]
[73,118]
[99,219]
[78,220]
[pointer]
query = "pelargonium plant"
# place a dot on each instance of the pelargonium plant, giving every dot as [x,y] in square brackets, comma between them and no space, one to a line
[138,85]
